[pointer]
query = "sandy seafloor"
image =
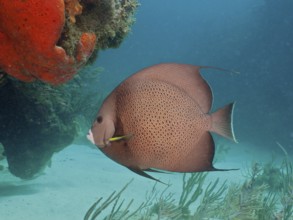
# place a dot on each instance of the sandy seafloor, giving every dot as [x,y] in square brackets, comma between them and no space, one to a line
[79,175]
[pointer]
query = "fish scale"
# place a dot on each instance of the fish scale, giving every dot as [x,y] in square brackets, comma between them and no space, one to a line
[164,108]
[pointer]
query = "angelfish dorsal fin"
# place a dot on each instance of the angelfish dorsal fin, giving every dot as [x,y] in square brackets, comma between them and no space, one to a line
[184,76]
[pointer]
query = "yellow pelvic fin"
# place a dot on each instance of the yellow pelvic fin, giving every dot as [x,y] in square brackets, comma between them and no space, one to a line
[124,137]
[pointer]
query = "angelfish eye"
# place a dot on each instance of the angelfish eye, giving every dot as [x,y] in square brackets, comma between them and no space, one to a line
[99,119]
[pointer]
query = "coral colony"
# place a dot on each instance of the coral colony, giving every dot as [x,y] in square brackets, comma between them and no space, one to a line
[51,40]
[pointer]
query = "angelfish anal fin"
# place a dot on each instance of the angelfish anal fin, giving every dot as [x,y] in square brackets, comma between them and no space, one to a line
[155,171]
[144,174]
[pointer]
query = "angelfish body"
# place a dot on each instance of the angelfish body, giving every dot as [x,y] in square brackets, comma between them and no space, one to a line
[165,108]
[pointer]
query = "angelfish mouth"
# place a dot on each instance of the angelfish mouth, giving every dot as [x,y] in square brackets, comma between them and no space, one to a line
[90,136]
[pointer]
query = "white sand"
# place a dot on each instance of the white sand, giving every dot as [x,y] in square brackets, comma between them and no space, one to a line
[79,175]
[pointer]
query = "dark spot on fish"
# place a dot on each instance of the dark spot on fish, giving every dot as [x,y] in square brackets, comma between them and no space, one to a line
[99,119]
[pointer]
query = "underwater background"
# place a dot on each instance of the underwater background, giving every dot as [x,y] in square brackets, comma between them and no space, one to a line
[252,37]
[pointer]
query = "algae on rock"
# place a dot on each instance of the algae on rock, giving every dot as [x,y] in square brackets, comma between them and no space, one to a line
[110,20]
[39,120]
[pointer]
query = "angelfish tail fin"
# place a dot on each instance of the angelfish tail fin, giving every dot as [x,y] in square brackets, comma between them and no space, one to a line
[222,122]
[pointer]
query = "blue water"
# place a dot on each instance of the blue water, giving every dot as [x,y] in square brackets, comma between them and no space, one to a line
[254,37]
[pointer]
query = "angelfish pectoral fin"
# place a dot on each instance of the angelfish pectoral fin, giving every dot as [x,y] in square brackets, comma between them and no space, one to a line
[118,138]
[142,173]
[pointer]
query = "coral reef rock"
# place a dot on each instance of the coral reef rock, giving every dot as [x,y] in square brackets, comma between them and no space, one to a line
[38,120]
[52,40]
